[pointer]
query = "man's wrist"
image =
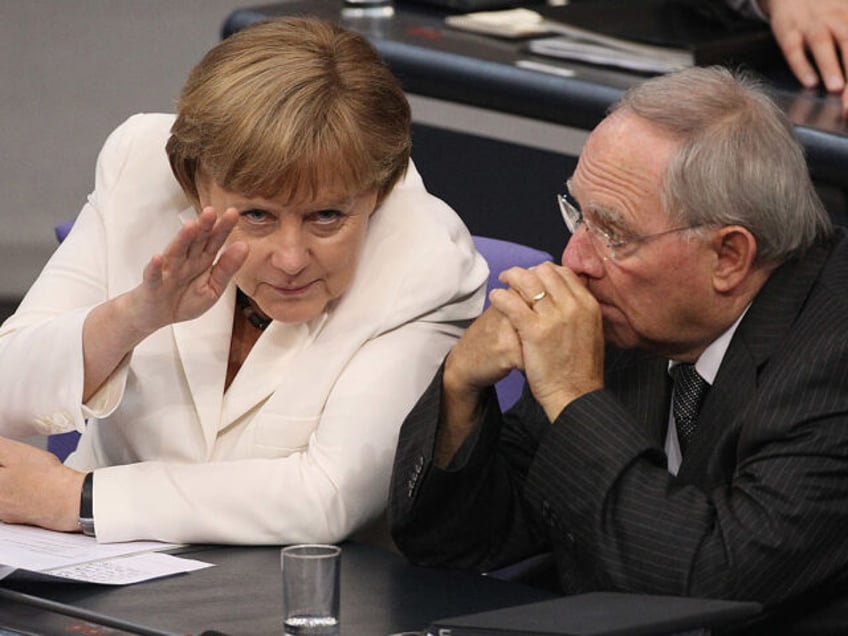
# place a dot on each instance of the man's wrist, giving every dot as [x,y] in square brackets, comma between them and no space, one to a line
[86,512]
[459,417]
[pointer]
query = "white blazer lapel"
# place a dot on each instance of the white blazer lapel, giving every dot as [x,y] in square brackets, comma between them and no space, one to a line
[267,365]
[203,346]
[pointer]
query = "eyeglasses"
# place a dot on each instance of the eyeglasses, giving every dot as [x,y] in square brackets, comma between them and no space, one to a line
[610,246]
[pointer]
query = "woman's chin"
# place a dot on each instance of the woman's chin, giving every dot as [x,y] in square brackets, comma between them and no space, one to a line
[293,312]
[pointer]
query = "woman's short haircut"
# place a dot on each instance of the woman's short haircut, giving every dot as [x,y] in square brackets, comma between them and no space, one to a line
[738,163]
[287,106]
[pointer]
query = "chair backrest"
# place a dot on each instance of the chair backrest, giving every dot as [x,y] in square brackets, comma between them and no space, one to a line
[62,230]
[501,255]
[62,444]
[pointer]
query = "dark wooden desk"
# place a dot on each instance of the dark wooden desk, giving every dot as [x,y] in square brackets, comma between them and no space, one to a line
[380,594]
[502,177]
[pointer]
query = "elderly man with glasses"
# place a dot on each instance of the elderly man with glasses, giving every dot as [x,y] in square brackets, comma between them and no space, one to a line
[700,258]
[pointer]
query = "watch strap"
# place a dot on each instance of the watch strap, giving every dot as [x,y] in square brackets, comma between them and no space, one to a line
[86,513]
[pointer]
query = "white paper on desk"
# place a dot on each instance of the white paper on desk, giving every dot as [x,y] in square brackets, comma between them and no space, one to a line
[563,47]
[49,552]
[506,23]
[129,569]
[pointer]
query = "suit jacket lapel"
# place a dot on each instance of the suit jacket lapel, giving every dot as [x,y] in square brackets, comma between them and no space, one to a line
[267,366]
[203,346]
[645,391]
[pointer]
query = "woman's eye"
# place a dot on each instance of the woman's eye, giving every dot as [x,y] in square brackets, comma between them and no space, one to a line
[254,215]
[326,217]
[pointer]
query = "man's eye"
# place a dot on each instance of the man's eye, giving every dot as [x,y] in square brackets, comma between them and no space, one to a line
[254,215]
[614,235]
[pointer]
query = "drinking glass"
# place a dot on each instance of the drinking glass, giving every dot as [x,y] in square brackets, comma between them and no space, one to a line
[311,589]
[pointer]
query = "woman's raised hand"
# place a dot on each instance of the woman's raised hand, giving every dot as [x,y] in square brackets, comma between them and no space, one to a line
[181,283]
[189,276]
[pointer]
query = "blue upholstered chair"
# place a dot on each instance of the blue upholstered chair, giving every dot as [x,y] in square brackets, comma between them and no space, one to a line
[501,255]
[62,230]
[62,444]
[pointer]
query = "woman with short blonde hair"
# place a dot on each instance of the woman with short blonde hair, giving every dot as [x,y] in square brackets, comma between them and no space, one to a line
[255,294]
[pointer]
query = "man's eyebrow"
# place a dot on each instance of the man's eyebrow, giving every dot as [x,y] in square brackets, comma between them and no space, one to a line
[601,214]
[605,215]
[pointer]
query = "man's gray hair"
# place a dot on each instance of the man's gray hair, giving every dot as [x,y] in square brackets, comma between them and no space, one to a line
[739,162]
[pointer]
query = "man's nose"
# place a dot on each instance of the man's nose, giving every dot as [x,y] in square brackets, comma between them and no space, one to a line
[581,256]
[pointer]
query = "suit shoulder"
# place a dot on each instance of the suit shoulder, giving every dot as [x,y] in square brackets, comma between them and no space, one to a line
[418,232]
[135,150]
[834,276]
[141,134]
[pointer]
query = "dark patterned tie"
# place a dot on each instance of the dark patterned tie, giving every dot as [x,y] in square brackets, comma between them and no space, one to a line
[689,391]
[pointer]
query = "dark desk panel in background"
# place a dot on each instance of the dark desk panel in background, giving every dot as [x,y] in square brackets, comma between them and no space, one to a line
[506,188]
[437,61]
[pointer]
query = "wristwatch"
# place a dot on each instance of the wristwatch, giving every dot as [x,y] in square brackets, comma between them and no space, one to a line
[86,513]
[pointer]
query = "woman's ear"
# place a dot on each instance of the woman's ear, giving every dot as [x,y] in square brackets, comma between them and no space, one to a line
[736,250]
[375,200]
[201,187]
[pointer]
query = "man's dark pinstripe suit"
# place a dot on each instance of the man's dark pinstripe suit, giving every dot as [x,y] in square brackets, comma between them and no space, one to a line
[759,509]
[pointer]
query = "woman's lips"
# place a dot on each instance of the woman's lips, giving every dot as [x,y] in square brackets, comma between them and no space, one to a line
[293,291]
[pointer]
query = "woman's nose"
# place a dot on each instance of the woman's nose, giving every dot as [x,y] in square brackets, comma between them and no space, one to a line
[290,251]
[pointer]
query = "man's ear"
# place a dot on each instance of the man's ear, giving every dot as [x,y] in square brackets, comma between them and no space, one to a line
[736,250]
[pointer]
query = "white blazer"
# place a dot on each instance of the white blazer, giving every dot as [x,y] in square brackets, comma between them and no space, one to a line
[300,446]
